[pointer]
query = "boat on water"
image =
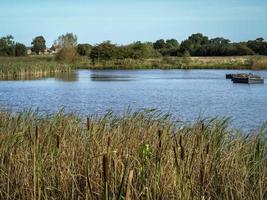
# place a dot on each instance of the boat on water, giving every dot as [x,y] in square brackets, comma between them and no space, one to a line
[245,78]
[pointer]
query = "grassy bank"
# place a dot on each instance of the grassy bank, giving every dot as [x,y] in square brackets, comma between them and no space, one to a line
[142,155]
[30,67]
[237,62]
[41,66]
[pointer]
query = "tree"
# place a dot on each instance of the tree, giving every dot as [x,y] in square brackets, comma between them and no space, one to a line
[258,46]
[38,44]
[172,44]
[159,44]
[20,49]
[67,40]
[7,46]
[143,50]
[104,51]
[219,40]
[67,54]
[84,49]
[193,42]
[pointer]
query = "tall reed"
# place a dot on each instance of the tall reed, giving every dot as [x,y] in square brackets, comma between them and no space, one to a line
[141,155]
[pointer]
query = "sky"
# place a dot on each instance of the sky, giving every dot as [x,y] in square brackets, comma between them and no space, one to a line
[125,21]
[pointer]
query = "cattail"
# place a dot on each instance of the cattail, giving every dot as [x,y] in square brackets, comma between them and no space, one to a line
[36,133]
[57,141]
[207,148]
[182,151]
[105,168]
[88,123]
[160,135]
[109,141]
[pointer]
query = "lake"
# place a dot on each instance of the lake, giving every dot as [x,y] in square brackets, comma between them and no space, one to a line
[186,94]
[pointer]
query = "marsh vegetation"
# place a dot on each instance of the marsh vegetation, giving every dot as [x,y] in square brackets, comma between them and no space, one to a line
[140,155]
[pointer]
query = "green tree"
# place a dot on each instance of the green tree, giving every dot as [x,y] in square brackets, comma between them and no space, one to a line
[219,40]
[67,40]
[84,49]
[67,54]
[104,51]
[159,44]
[172,43]
[38,44]
[193,42]
[143,50]
[20,49]
[7,46]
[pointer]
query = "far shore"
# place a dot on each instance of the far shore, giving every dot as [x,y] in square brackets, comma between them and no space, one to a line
[28,66]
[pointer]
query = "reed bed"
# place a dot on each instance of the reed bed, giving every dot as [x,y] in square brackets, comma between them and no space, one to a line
[140,155]
[230,62]
[42,66]
[30,67]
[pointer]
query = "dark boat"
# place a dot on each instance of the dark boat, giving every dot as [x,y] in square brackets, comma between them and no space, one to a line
[229,76]
[247,78]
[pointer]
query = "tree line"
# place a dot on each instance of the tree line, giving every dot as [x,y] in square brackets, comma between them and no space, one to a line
[195,45]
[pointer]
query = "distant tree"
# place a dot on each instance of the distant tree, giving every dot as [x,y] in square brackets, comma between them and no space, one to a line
[242,50]
[193,42]
[104,51]
[159,44]
[20,49]
[67,40]
[67,54]
[84,49]
[172,44]
[260,39]
[143,50]
[38,44]
[7,46]
[259,46]
[219,40]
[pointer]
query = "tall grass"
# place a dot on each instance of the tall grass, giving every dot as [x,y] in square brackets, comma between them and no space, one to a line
[30,67]
[142,155]
[39,66]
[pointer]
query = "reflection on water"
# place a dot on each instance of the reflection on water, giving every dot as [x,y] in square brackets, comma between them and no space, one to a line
[110,77]
[66,76]
[59,76]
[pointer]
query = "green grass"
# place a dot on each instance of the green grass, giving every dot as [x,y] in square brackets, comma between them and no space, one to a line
[142,155]
[30,67]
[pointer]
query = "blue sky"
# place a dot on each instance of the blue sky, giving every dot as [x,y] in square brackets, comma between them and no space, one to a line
[125,21]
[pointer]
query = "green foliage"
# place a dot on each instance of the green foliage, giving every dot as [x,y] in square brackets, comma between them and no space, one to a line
[103,51]
[143,50]
[108,51]
[84,49]
[7,46]
[259,46]
[159,44]
[67,40]
[38,44]
[20,49]
[67,54]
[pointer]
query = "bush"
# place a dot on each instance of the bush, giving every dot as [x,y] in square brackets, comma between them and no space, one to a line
[20,50]
[67,54]
[84,49]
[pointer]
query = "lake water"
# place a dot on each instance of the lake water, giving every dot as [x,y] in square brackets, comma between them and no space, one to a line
[186,94]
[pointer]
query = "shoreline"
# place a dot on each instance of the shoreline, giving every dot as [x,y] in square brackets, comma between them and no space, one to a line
[26,66]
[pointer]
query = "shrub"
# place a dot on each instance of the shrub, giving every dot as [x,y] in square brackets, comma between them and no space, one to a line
[67,54]
[20,50]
